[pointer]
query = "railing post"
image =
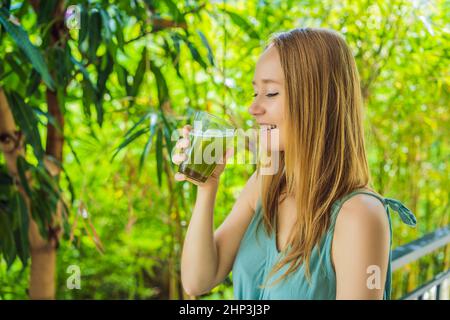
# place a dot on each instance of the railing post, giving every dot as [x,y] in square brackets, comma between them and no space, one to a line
[415,250]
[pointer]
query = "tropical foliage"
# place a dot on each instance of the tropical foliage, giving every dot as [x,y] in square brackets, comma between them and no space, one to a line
[91,93]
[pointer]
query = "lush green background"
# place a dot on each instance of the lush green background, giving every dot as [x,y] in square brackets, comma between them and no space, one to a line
[140,213]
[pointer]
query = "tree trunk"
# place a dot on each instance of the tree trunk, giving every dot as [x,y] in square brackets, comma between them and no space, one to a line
[42,251]
[43,263]
[42,284]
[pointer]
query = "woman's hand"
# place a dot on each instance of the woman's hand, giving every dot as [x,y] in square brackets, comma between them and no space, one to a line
[180,155]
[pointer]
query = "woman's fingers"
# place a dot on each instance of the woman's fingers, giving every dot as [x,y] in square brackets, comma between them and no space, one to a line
[180,176]
[186,129]
[178,158]
[183,143]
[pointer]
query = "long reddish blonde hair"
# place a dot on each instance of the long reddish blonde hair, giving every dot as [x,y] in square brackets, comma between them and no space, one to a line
[324,156]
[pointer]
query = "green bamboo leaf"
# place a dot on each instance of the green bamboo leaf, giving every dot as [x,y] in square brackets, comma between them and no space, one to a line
[22,167]
[87,98]
[122,75]
[72,149]
[243,24]
[68,66]
[21,236]
[95,28]
[174,55]
[45,197]
[119,31]
[50,200]
[22,249]
[167,130]
[33,83]
[90,92]
[148,145]
[167,125]
[33,54]
[159,155]
[20,7]
[38,112]
[146,151]
[163,91]
[208,47]
[176,41]
[80,66]
[105,22]
[55,124]
[174,11]
[150,4]
[128,140]
[195,54]
[69,184]
[57,63]
[39,207]
[141,120]
[100,111]
[7,5]
[45,179]
[5,178]
[27,121]
[4,75]
[103,74]
[7,243]
[15,66]
[46,10]
[140,72]
[84,20]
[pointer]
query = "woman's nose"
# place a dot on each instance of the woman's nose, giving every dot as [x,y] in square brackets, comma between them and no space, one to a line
[256,109]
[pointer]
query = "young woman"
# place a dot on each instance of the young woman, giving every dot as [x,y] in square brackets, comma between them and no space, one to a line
[314,229]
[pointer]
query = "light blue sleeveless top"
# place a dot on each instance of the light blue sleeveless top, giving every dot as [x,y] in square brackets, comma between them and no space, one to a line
[258,253]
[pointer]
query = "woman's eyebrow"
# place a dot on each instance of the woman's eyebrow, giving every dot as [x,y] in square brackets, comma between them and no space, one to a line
[267,81]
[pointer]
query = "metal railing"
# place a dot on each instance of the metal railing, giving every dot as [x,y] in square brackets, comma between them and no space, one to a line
[438,287]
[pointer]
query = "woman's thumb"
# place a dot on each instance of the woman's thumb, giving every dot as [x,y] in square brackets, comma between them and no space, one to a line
[228,154]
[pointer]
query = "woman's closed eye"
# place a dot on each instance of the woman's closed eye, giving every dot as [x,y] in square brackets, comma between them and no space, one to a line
[270,95]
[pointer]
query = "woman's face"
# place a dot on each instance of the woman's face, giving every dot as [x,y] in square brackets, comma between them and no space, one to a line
[269,96]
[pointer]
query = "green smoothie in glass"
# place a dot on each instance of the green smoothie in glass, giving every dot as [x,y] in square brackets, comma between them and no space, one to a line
[210,138]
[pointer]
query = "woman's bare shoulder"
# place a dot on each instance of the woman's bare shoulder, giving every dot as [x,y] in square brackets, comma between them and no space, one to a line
[363,211]
[361,241]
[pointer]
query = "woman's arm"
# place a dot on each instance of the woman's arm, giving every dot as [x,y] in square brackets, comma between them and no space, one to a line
[360,250]
[208,256]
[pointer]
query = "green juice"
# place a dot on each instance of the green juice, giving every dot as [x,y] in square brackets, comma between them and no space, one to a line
[207,150]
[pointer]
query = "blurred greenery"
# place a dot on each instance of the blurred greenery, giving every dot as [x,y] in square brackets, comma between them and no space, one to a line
[150,63]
